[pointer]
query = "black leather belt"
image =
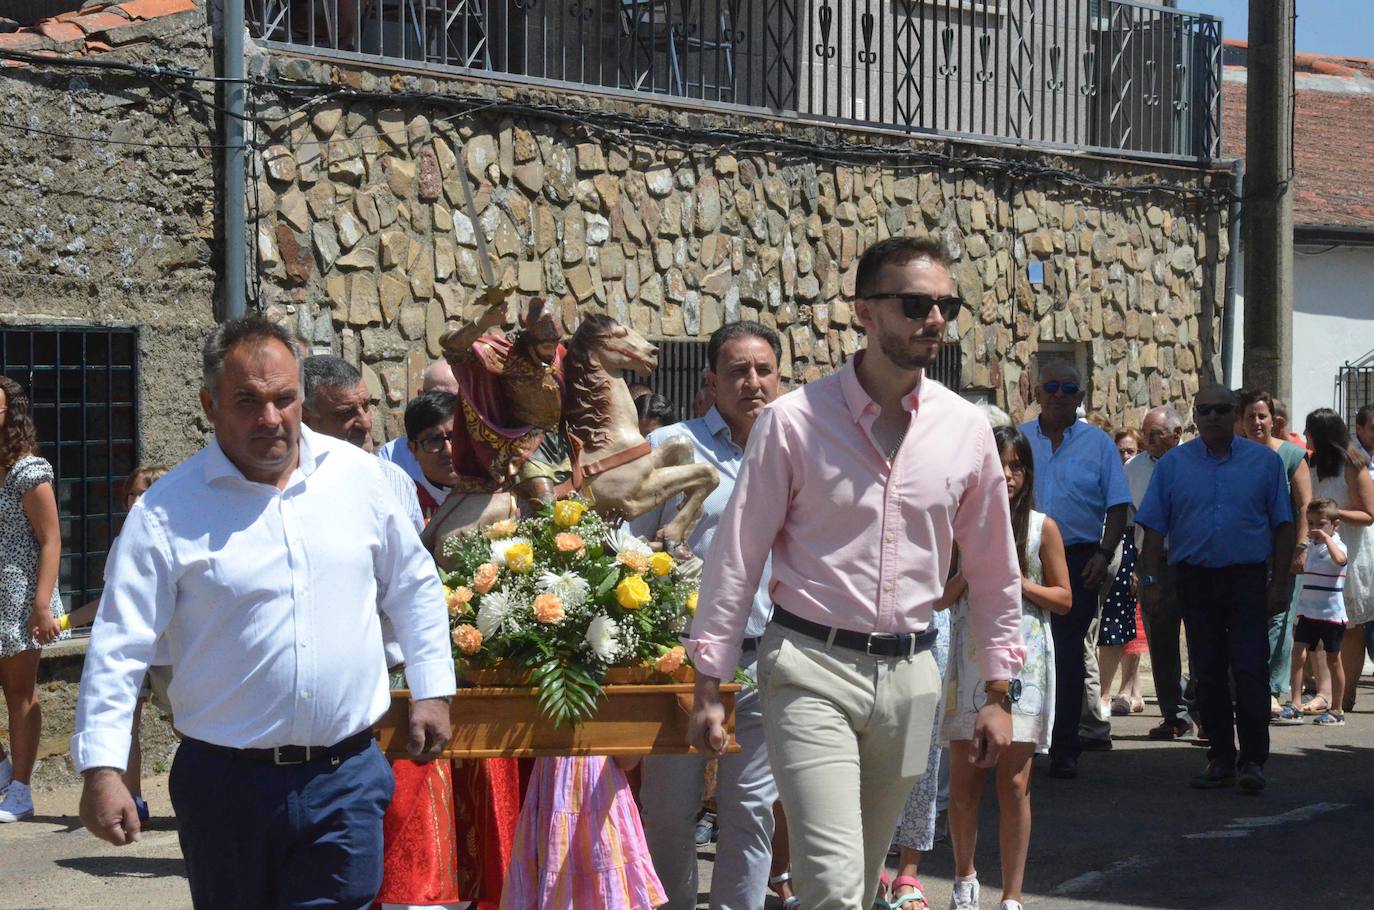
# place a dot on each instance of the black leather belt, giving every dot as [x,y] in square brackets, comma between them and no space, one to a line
[878,644]
[298,755]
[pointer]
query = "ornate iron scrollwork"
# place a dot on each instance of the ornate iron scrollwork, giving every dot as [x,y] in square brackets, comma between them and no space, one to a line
[1181,103]
[866,23]
[949,67]
[985,70]
[1151,96]
[826,15]
[1089,87]
[1055,82]
[579,11]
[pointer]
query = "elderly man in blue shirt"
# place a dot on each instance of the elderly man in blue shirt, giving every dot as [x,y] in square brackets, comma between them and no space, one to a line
[743,377]
[1222,503]
[1079,482]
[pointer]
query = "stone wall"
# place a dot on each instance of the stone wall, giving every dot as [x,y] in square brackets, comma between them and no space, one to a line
[366,246]
[117,233]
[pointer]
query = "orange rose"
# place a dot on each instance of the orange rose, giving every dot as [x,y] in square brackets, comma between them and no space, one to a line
[635,562]
[467,638]
[485,577]
[458,600]
[567,542]
[670,660]
[548,609]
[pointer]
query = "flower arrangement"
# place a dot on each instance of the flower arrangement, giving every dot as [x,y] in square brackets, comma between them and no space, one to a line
[564,596]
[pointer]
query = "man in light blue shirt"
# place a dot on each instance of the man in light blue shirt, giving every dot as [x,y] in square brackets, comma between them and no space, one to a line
[743,374]
[1079,482]
[1223,505]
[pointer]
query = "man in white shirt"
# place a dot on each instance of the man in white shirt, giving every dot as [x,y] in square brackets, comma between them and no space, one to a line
[743,363]
[438,378]
[263,559]
[1163,430]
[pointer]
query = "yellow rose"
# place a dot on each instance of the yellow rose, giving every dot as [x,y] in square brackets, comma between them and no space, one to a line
[567,512]
[661,563]
[633,592]
[520,558]
[692,603]
[501,529]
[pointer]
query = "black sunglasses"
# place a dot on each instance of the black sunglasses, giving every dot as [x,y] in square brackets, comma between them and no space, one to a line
[918,306]
[434,444]
[1054,385]
[1209,410]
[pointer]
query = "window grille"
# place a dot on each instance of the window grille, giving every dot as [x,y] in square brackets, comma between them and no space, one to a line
[83,385]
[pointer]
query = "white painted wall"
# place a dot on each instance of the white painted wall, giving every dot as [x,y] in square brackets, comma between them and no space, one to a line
[1333,321]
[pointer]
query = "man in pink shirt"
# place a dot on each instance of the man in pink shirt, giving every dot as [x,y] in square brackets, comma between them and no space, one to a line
[859,485]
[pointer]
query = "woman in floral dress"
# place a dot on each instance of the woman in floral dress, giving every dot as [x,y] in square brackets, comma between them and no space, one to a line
[1045,589]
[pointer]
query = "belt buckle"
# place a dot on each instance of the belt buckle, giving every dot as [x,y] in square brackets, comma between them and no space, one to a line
[278,760]
[884,636]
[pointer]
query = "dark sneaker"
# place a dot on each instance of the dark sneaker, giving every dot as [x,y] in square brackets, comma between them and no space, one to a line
[1251,778]
[1215,777]
[706,829]
[1063,768]
[1171,729]
[1330,719]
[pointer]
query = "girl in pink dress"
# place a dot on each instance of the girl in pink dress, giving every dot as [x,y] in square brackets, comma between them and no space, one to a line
[579,844]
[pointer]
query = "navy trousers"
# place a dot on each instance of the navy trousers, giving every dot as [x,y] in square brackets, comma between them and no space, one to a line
[260,835]
[1070,672]
[1223,615]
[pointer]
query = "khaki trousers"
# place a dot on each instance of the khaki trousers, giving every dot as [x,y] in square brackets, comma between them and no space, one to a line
[848,735]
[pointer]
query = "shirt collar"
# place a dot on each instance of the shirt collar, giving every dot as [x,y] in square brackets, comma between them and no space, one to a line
[1068,430]
[859,402]
[716,425]
[218,465]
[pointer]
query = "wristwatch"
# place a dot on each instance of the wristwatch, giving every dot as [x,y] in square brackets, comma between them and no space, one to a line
[1007,692]
[1149,581]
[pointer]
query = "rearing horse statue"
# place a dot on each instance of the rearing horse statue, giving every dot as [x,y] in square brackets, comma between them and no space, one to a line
[612,463]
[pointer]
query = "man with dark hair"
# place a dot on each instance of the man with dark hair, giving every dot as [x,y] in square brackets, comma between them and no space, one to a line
[262,560]
[1080,483]
[438,377]
[1364,435]
[743,375]
[429,430]
[1222,504]
[337,402]
[858,485]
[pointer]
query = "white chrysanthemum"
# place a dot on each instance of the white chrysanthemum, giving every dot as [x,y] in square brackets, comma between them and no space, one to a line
[603,637]
[496,606]
[569,587]
[622,541]
[499,548]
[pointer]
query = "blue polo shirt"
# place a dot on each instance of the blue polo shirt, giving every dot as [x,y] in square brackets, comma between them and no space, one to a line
[1077,484]
[1217,512]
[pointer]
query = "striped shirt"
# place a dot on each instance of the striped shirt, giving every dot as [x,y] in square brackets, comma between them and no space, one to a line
[1322,584]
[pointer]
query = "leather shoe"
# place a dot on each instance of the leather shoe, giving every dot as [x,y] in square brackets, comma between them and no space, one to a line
[1216,776]
[1251,777]
[1063,768]
[1171,729]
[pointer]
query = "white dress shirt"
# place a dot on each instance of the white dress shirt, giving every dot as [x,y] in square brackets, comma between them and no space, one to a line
[268,601]
[404,488]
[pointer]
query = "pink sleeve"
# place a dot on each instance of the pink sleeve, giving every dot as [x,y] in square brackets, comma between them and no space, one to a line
[748,527]
[982,528]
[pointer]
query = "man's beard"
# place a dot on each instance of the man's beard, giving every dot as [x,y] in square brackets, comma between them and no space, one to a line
[895,349]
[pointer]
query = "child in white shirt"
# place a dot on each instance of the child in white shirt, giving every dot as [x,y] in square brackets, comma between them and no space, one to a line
[1321,608]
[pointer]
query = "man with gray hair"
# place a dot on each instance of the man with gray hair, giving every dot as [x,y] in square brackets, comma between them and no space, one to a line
[1162,429]
[1080,484]
[262,560]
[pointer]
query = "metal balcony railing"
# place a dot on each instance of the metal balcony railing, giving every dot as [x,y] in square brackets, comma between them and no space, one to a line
[1109,75]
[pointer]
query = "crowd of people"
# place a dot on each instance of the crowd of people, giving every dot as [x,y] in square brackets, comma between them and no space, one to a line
[918,592]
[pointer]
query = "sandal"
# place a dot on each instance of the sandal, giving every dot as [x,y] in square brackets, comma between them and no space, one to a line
[1311,708]
[900,902]
[1121,706]
[880,899]
[782,878]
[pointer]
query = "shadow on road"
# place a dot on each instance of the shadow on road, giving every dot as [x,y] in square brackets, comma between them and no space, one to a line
[123,866]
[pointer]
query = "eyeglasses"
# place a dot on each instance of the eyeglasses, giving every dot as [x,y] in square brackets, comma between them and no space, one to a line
[1054,386]
[1213,410]
[435,444]
[918,306]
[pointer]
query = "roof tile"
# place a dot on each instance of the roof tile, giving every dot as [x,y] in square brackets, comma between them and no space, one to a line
[152,9]
[20,41]
[60,32]
[99,22]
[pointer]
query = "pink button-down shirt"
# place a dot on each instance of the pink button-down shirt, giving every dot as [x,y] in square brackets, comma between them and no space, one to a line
[859,542]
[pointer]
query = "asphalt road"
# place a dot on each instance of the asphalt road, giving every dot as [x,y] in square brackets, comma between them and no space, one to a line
[1128,833]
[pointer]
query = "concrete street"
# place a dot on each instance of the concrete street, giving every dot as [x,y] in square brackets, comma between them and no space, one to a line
[1128,833]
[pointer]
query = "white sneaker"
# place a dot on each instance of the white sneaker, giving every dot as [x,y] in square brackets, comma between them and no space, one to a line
[965,895]
[1011,905]
[17,804]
